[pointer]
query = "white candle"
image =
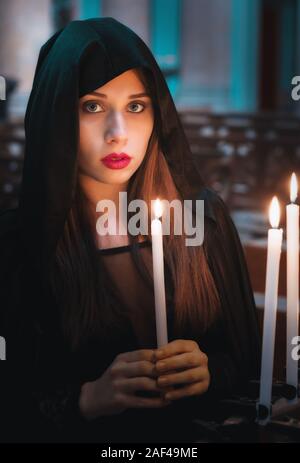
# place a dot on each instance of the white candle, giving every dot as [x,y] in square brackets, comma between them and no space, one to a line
[270,309]
[292,321]
[158,276]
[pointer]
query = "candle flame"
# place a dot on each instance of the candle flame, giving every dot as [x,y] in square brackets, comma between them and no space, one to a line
[293,188]
[157,208]
[274,212]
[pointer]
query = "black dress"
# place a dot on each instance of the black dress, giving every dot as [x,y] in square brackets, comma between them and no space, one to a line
[41,378]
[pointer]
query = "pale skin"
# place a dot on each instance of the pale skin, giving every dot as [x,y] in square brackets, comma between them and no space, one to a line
[114,123]
[119,123]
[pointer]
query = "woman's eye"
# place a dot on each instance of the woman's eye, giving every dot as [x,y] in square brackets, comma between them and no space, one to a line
[136,105]
[92,107]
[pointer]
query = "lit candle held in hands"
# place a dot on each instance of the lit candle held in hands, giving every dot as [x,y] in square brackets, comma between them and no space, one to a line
[158,276]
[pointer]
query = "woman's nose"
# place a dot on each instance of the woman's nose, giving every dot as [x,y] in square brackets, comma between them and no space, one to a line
[116,130]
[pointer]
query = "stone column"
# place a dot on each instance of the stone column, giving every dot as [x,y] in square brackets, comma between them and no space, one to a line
[24,26]
[205,52]
[133,13]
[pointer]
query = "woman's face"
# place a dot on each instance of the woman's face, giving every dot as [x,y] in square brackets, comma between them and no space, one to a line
[116,118]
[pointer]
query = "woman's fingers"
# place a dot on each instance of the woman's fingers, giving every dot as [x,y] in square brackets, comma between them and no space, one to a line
[137,355]
[181,361]
[134,369]
[136,384]
[188,391]
[178,346]
[192,375]
[135,363]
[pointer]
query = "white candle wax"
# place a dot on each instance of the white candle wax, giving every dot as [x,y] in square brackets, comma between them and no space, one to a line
[270,309]
[292,211]
[159,280]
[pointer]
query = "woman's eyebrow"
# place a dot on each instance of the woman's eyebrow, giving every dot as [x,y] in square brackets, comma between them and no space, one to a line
[137,95]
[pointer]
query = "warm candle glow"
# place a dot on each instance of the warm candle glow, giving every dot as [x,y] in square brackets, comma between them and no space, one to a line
[274,212]
[293,188]
[157,209]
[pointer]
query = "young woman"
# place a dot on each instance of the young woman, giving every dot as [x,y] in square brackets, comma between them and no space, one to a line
[77,307]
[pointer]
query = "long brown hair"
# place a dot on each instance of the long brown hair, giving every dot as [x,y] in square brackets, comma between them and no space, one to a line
[83,289]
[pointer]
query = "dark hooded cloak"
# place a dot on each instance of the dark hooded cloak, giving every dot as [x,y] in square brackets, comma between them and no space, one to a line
[40,380]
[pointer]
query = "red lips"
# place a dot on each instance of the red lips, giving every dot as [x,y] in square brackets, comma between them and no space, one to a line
[116,156]
[116,160]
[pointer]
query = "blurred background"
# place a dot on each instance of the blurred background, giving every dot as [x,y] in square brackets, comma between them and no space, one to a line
[229,65]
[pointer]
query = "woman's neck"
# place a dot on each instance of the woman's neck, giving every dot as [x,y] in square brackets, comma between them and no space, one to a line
[94,192]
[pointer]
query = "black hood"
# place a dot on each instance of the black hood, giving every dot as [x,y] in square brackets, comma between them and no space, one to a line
[76,60]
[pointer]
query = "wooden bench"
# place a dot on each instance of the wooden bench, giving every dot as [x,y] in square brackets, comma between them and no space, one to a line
[247,158]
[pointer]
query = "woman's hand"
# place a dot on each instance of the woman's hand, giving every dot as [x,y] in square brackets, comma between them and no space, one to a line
[115,390]
[181,362]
